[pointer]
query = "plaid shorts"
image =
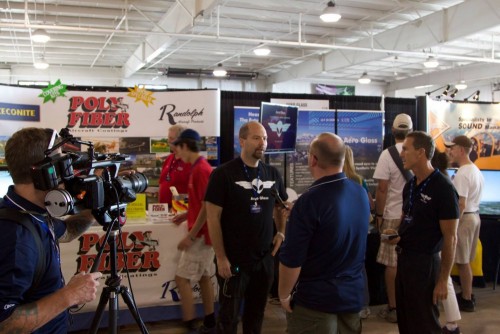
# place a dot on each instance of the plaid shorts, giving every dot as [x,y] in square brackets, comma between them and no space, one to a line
[387,253]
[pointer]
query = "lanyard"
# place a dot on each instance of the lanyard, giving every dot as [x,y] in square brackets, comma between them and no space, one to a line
[418,189]
[173,164]
[245,169]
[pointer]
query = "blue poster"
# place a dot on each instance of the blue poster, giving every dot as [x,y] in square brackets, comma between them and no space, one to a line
[280,122]
[242,115]
[310,123]
[363,132]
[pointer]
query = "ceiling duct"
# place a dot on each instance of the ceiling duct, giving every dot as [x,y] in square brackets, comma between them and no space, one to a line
[197,73]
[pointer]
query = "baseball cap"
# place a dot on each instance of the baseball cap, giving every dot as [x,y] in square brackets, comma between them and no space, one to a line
[463,141]
[187,134]
[402,122]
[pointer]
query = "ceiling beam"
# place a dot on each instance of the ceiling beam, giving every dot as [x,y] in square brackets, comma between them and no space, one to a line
[425,33]
[178,19]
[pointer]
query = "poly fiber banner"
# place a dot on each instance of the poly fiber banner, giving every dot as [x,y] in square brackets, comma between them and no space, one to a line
[479,122]
[109,114]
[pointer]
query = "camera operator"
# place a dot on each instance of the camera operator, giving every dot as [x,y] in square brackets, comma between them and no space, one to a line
[27,306]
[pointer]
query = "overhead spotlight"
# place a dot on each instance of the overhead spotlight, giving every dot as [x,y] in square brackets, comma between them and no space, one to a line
[445,92]
[330,13]
[40,36]
[461,86]
[474,96]
[364,79]
[262,51]
[453,93]
[219,71]
[41,64]
[431,62]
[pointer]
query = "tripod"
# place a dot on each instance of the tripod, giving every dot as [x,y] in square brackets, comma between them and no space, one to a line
[112,289]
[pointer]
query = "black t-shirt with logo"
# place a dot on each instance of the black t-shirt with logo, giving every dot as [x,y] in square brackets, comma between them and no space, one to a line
[434,199]
[244,193]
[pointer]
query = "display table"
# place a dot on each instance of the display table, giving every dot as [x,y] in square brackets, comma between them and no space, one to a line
[151,256]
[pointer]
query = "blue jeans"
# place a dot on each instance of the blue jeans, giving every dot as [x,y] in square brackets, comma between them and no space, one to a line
[250,287]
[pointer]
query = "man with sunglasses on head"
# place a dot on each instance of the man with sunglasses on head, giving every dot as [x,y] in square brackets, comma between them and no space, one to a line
[29,304]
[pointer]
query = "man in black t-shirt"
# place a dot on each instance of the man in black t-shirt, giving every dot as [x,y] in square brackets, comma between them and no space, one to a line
[240,207]
[429,226]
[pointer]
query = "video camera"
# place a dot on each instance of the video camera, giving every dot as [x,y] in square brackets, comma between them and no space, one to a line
[90,180]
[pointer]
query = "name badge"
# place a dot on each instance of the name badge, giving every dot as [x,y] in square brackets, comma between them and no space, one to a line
[255,208]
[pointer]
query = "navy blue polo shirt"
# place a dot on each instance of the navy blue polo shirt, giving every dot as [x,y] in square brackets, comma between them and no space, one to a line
[326,236]
[19,257]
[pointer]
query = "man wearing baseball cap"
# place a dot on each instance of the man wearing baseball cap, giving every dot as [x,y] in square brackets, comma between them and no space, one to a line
[391,178]
[469,184]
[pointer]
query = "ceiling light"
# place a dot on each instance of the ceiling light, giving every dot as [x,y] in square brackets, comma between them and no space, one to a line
[219,71]
[431,62]
[475,96]
[330,13]
[262,51]
[364,79]
[40,36]
[41,64]
[453,93]
[461,86]
[446,90]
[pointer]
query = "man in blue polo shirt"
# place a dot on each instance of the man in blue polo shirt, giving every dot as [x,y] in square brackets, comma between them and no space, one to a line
[322,259]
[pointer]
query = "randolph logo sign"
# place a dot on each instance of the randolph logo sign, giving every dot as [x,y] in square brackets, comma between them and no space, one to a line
[98,112]
[139,247]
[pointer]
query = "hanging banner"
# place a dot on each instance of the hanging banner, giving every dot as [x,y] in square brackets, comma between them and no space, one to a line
[362,130]
[310,123]
[110,114]
[304,103]
[479,122]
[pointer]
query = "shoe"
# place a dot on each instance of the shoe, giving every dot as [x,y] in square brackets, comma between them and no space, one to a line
[365,313]
[388,314]
[445,330]
[465,304]
[206,330]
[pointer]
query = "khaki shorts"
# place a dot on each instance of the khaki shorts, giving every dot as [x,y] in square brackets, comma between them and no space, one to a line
[468,234]
[196,261]
[387,253]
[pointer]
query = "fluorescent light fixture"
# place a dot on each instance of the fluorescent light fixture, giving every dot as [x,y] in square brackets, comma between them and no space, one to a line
[364,79]
[40,36]
[41,64]
[431,62]
[461,86]
[262,51]
[219,71]
[330,13]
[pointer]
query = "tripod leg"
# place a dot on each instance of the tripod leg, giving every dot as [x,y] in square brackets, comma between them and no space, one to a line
[127,298]
[99,311]
[113,312]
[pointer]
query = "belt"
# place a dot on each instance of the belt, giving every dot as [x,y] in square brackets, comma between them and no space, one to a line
[471,212]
